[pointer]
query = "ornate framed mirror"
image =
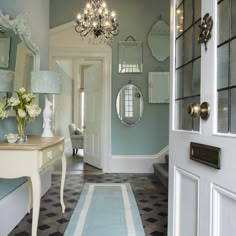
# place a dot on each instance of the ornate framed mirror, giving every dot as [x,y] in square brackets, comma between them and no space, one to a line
[129,105]
[159,40]
[19,58]
[23,56]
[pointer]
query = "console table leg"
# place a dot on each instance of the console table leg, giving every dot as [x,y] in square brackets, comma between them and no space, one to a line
[29,195]
[36,187]
[63,175]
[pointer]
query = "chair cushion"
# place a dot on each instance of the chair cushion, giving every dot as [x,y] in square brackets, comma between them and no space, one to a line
[78,131]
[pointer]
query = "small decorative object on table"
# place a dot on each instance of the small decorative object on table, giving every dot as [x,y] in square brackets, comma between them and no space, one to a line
[26,110]
[11,138]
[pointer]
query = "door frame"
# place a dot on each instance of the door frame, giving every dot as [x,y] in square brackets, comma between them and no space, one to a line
[79,49]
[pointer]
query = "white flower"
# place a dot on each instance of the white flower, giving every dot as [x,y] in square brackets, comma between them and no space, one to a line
[31,95]
[33,110]
[13,101]
[3,114]
[21,113]
[28,97]
[21,91]
[23,105]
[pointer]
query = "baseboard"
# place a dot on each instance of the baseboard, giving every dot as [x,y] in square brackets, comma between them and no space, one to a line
[136,163]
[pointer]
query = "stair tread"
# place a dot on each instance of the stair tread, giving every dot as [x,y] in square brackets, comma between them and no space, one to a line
[162,168]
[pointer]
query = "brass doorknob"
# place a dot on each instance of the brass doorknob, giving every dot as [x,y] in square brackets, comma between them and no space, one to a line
[203,110]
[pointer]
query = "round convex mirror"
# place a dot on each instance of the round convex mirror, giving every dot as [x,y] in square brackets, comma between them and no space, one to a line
[129,105]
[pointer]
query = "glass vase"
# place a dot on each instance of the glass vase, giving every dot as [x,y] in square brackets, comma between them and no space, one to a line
[21,129]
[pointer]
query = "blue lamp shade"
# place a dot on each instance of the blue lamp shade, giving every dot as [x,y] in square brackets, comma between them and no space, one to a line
[6,80]
[45,82]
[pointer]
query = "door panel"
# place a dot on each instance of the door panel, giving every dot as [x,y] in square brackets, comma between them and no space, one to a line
[187,191]
[92,115]
[223,212]
[202,199]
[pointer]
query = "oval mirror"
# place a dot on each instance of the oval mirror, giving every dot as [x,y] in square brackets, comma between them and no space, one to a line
[159,40]
[129,105]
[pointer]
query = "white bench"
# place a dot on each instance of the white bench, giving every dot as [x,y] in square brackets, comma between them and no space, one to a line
[14,198]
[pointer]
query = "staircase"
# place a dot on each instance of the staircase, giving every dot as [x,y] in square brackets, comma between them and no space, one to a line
[161,171]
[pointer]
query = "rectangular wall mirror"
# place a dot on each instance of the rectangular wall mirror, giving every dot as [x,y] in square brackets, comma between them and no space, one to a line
[130,56]
[158,87]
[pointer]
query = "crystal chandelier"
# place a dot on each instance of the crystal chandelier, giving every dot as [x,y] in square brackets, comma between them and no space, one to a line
[97,22]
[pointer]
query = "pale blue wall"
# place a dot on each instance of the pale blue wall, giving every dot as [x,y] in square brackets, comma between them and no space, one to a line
[37,13]
[135,17]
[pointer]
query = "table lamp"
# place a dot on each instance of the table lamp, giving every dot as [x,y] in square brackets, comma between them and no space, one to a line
[6,80]
[47,82]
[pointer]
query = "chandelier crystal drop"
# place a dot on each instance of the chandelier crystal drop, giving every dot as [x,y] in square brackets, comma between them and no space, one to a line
[96,22]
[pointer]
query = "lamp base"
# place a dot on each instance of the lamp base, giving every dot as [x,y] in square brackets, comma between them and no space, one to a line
[47,117]
[47,133]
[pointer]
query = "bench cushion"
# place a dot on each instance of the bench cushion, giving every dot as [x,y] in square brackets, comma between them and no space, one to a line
[9,185]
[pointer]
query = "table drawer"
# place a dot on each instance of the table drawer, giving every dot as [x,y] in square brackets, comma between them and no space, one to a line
[50,154]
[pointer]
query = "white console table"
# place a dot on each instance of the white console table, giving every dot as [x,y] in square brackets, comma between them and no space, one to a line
[29,159]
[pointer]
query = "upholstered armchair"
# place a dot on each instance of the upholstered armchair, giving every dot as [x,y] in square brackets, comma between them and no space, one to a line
[76,137]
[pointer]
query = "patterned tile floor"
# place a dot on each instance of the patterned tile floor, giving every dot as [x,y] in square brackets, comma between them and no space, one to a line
[150,195]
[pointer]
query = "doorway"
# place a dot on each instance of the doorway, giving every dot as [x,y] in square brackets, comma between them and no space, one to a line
[65,44]
[80,103]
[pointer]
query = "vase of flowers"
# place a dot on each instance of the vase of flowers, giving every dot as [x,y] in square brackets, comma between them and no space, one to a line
[25,108]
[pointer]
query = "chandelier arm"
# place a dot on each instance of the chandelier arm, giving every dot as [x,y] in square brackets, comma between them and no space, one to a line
[81,32]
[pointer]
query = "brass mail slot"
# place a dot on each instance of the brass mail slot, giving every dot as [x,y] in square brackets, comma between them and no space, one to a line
[205,154]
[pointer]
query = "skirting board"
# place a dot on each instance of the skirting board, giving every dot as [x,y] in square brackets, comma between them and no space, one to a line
[136,163]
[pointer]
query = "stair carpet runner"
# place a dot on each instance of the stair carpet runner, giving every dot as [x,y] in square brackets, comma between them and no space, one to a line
[161,170]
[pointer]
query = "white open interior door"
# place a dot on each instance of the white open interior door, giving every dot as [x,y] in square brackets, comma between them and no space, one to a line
[202,199]
[93,85]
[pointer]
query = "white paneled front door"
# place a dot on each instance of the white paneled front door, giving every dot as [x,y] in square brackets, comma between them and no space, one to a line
[202,199]
[93,86]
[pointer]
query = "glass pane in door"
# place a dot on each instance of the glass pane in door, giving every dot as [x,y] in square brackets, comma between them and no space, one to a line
[179,83]
[233,18]
[196,76]
[233,111]
[187,44]
[223,112]
[223,21]
[188,63]
[179,20]
[222,66]
[179,51]
[226,66]
[188,80]
[188,13]
[233,63]
[197,46]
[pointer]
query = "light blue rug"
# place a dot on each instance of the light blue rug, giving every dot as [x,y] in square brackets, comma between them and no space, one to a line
[106,210]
